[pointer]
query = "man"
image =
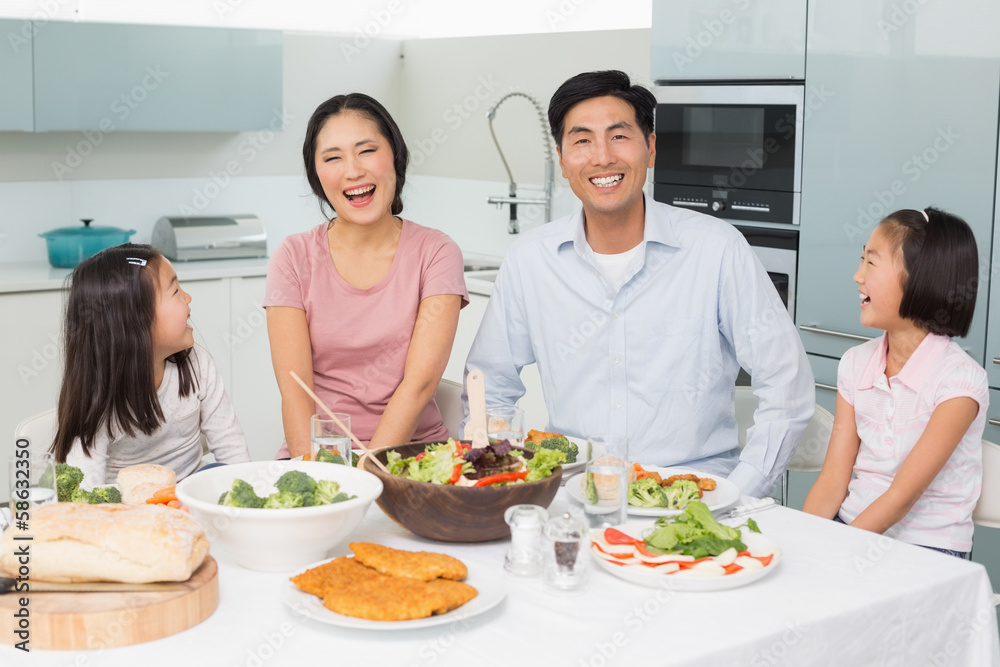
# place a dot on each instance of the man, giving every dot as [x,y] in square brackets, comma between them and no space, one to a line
[639,315]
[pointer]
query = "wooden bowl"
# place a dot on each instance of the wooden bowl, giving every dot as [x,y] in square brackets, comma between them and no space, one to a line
[454,513]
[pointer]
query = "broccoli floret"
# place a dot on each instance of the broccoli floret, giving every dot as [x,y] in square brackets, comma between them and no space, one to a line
[296,482]
[326,456]
[284,499]
[241,495]
[81,496]
[68,480]
[560,444]
[325,491]
[106,494]
[646,493]
[680,493]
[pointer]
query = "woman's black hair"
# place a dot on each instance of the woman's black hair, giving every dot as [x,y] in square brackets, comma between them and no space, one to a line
[370,108]
[941,266]
[108,340]
[608,83]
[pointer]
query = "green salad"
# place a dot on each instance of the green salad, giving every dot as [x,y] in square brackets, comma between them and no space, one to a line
[456,462]
[695,533]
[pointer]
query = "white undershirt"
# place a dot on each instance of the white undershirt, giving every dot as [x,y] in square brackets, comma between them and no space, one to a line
[615,267]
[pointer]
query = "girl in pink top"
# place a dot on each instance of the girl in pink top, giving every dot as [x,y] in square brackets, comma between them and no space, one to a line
[905,455]
[363,307]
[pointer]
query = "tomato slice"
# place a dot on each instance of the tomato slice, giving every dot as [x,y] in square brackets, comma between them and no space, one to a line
[765,560]
[732,567]
[615,536]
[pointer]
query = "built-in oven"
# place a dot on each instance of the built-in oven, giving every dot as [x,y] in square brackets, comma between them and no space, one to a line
[733,150]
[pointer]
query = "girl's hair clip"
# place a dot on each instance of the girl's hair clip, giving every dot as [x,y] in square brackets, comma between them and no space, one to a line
[927,218]
[136,261]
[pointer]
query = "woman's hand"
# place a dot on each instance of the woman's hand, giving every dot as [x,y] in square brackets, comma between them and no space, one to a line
[426,359]
[291,350]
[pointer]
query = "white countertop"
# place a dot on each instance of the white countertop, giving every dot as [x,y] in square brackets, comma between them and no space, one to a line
[40,276]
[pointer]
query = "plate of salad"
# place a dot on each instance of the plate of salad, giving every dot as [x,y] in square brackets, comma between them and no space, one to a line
[688,552]
[645,500]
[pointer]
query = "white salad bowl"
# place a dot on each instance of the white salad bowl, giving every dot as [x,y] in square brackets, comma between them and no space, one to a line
[277,540]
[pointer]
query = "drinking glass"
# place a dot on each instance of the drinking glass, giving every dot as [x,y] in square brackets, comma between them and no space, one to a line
[325,433]
[605,482]
[505,423]
[32,481]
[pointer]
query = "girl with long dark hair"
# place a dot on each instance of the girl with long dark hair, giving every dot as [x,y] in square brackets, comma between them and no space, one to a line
[135,389]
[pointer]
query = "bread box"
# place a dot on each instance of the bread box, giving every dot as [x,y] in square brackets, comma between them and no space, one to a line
[210,237]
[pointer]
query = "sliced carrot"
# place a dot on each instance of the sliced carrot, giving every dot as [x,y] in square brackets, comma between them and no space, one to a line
[176,504]
[163,495]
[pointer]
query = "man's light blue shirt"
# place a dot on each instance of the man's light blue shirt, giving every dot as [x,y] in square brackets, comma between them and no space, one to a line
[656,360]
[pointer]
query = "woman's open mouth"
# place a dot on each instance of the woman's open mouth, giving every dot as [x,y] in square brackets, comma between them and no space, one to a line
[361,195]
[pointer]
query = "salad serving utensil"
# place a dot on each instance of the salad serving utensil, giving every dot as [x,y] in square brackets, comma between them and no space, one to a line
[476,428]
[337,421]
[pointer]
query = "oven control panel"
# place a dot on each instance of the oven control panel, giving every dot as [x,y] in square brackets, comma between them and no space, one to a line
[749,205]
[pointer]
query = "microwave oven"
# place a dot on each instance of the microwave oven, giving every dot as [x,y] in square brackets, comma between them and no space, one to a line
[731,150]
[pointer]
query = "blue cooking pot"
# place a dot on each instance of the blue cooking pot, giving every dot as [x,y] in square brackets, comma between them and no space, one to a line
[68,246]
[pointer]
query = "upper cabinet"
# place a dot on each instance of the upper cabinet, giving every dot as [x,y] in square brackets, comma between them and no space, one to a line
[15,76]
[728,39]
[115,77]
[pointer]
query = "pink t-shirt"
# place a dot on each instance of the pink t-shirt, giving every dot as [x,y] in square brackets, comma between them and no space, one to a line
[360,337]
[891,417]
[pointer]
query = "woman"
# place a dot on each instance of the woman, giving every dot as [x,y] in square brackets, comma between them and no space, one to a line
[363,307]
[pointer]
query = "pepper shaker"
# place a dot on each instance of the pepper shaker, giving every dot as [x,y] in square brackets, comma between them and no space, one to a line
[566,537]
[524,558]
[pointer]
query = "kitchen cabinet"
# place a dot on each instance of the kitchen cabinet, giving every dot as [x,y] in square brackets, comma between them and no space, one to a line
[15,77]
[890,125]
[728,39]
[992,360]
[31,340]
[253,387]
[105,78]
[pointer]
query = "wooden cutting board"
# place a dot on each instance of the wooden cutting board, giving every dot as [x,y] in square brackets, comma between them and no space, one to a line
[76,621]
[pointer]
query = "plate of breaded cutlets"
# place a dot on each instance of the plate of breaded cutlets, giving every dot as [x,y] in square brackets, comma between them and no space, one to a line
[381,588]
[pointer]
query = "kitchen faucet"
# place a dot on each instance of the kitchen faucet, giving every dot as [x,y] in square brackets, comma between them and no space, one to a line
[513,200]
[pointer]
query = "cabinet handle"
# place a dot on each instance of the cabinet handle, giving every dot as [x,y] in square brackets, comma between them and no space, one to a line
[841,334]
[993,422]
[820,385]
[996,360]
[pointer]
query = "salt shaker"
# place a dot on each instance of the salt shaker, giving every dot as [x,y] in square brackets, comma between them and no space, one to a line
[524,557]
[566,540]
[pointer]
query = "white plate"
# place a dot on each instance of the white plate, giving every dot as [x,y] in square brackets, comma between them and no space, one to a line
[488,581]
[641,575]
[725,494]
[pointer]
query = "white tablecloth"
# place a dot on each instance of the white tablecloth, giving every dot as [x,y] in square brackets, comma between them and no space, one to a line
[841,596]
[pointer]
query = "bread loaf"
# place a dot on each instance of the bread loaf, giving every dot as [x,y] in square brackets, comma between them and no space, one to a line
[75,542]
[138,483]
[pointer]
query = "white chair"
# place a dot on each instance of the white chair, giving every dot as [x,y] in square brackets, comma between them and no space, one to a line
[987,511]
[449,400]
[811,449]
[39,429]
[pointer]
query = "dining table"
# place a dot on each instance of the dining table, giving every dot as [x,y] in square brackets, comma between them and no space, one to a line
[838,596]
